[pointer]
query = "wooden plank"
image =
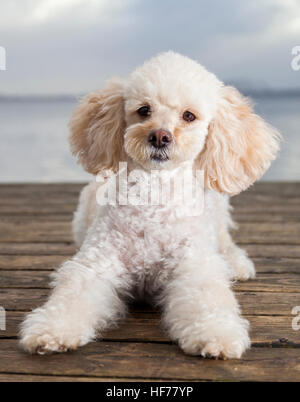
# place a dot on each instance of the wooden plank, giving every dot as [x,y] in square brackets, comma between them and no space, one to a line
[258,201]
[266,215]
[17,189]
[267,193]
[150,360]
[66,202]
[35,230]
[284,189]
[22,299]
[30,248]
[67,249]
[66,214]
[252,303]
[267,232]
[30,262]
[61,378]
[276,265]
[272,250]
[145,327]
[24,279]
[250,211]
[49,262]
[31,230]
[280,282]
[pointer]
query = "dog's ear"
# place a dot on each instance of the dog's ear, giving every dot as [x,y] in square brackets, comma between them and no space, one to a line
[239,146]
[97,127]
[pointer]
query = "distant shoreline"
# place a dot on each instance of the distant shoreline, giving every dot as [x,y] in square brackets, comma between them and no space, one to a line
[255,93]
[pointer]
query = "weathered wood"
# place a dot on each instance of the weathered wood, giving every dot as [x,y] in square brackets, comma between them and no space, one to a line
[30,230]
[24,279]
[265,217]
[30,262]
[252,303]
[11,248]
[279,282]
[145,327]
[286,189]
[276,265]
[264,232]
[283,189]
[35,237]
[271,283]
[31,248]
[60,199]
[61,378]
[272,250]
[153,360]
[50,262]
[25,189]
[65,214]
[35,231]
[249,212]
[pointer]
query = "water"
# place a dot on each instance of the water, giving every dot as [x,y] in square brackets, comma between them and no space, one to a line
[34,145]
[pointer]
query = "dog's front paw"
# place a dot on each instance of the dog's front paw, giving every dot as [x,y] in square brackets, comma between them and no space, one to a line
[227,341]
[244,269]
[225,349]
[241,265]
[41,334]
[43,344]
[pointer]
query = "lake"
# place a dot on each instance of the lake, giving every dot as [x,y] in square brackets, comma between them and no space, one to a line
[34,146]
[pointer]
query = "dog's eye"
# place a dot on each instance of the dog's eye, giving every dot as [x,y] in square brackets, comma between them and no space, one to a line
[188,116]
[144,111]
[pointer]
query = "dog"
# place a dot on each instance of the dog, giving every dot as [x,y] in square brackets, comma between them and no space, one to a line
[171,115]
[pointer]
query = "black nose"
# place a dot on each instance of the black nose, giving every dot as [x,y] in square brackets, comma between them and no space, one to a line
[160,138]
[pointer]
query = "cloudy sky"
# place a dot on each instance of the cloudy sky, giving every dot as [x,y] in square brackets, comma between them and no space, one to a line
[72,46]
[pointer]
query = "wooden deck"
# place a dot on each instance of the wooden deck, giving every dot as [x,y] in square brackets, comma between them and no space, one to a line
[35,237]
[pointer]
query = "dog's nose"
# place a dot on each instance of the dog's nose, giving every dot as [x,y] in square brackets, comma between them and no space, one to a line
[160,138]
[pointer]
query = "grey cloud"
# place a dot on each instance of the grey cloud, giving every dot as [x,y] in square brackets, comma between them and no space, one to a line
[70,54]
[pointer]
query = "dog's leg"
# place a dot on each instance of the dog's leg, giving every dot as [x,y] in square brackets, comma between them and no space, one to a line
[242,268]
[201,312]
[86,298]
[85,212]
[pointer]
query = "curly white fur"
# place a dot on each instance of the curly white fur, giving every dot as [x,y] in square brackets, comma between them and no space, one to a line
[184,263]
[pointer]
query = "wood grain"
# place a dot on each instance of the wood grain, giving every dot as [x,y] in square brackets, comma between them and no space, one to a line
[30,230]
[252,303]
[272,282]
[50,262]
[161,361]
[145,327]
[35,238]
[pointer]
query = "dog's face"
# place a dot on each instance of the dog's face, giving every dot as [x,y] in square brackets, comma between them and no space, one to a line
[172,110]
[168,107]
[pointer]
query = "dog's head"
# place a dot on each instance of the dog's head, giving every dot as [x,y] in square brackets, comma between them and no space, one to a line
[172,110]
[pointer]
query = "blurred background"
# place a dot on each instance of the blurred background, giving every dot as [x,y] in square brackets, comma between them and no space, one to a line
[58,50]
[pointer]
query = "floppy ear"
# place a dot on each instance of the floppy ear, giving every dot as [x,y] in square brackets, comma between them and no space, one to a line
[239,147]
[97,126]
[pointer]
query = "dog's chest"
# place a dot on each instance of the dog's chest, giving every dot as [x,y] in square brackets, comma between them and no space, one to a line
[156,236]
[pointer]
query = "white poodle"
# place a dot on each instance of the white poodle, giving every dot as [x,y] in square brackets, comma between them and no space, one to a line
[170,116]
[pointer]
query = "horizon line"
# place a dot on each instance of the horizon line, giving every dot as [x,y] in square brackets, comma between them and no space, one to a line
[65,96]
